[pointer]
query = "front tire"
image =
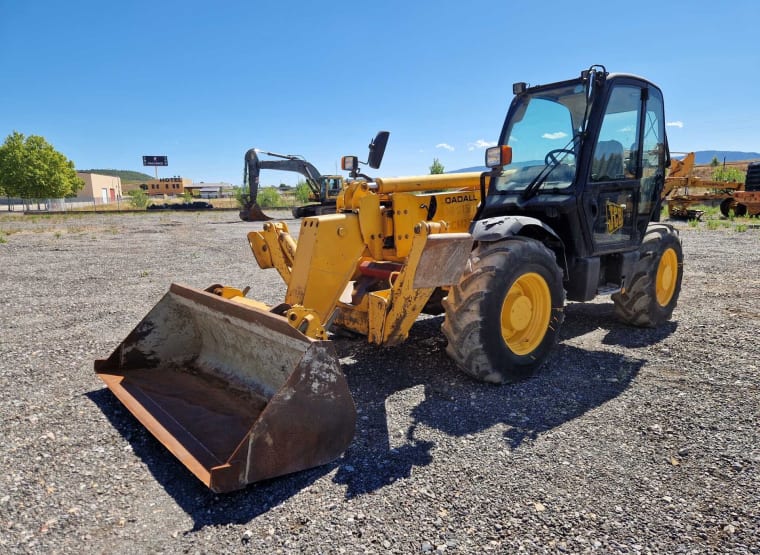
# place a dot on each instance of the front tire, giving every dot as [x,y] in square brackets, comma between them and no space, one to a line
[504,316]
[653,290]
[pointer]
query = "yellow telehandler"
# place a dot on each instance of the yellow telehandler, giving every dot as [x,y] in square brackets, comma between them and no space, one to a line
[240,391]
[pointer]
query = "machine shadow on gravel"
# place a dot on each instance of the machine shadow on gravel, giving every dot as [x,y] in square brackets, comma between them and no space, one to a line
[572,382]
[582,318]
[205,507]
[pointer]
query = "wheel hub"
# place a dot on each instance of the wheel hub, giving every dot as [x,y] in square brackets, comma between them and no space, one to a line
[525,313]
[520,313]
[667,271]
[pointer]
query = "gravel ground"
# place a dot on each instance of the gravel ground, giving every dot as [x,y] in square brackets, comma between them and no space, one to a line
[628,441]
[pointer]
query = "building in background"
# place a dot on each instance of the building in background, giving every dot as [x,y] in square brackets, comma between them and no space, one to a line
[101,189]
[211,190]
[165,186]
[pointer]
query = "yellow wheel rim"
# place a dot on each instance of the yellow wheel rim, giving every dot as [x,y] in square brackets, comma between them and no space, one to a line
[667,273]
[525,313]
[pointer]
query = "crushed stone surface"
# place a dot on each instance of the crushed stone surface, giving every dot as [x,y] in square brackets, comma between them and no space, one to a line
[627,441]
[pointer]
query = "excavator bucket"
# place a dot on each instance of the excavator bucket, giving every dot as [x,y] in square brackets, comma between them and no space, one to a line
[253,213]
[233,391]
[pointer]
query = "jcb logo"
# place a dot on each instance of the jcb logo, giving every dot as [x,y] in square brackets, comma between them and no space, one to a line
[614,217]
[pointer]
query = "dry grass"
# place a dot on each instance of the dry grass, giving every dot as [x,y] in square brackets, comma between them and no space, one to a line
[705,171]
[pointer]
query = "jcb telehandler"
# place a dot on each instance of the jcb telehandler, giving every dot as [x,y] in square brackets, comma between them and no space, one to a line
[240,391]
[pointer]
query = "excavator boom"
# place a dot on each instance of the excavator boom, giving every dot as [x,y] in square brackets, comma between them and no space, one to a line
[251,211]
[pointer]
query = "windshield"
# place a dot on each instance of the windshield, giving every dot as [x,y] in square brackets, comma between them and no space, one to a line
[543,132]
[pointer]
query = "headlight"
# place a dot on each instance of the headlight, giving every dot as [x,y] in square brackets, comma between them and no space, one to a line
[349,163]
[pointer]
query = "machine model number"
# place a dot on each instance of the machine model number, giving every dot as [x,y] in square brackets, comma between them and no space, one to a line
[461,198]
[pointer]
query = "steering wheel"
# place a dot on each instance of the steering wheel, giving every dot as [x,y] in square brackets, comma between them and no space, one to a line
[551,156]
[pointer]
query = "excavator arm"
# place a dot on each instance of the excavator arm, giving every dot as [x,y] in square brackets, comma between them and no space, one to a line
[285,162]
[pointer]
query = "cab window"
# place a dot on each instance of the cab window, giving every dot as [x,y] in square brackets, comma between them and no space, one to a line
[613,159]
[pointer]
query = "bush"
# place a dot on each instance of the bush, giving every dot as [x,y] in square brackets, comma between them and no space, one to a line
[268,197]
[302,192]
[241,195]
[138,198]
[728,174]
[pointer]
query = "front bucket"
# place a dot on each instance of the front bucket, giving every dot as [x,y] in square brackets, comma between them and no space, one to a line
[234,392]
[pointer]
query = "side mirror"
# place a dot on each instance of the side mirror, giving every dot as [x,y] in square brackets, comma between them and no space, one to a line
[377,149]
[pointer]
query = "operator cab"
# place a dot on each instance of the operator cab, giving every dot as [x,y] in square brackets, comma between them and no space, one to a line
[331,185]
[588,159]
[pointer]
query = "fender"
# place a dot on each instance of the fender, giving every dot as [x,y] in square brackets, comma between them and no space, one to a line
[500,227]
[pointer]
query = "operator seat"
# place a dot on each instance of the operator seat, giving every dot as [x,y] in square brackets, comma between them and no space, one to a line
[607,164]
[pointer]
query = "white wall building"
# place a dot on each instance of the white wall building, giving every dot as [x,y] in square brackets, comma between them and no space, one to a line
[100,188]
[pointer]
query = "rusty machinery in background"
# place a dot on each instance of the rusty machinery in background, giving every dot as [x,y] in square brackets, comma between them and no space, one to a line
[745,202]
[684,192]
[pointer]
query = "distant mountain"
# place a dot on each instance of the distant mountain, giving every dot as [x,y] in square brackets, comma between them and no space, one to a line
[127,176]
[473,169]
[706,156]
[700,157]
[485,169]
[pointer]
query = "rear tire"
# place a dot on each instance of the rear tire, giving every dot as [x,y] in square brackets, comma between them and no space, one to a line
[504,316]
[740,210]
[725,206]
[653,291]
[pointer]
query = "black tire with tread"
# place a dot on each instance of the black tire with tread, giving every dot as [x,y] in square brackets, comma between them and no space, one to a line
[473,307]
[725,206]
[638,305]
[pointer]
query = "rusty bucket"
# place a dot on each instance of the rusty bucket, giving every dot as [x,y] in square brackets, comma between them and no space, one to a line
[253,213]
[233,391]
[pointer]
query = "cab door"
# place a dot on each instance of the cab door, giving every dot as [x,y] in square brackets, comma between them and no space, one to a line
[611,195]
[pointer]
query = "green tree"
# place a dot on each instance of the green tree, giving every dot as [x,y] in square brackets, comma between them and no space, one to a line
[302,192]
[31,168]
[715,162]
[436,167]
[138,198]
[728,174]
[268,197]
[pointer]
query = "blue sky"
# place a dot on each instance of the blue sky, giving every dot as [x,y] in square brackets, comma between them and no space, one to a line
[201,82]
